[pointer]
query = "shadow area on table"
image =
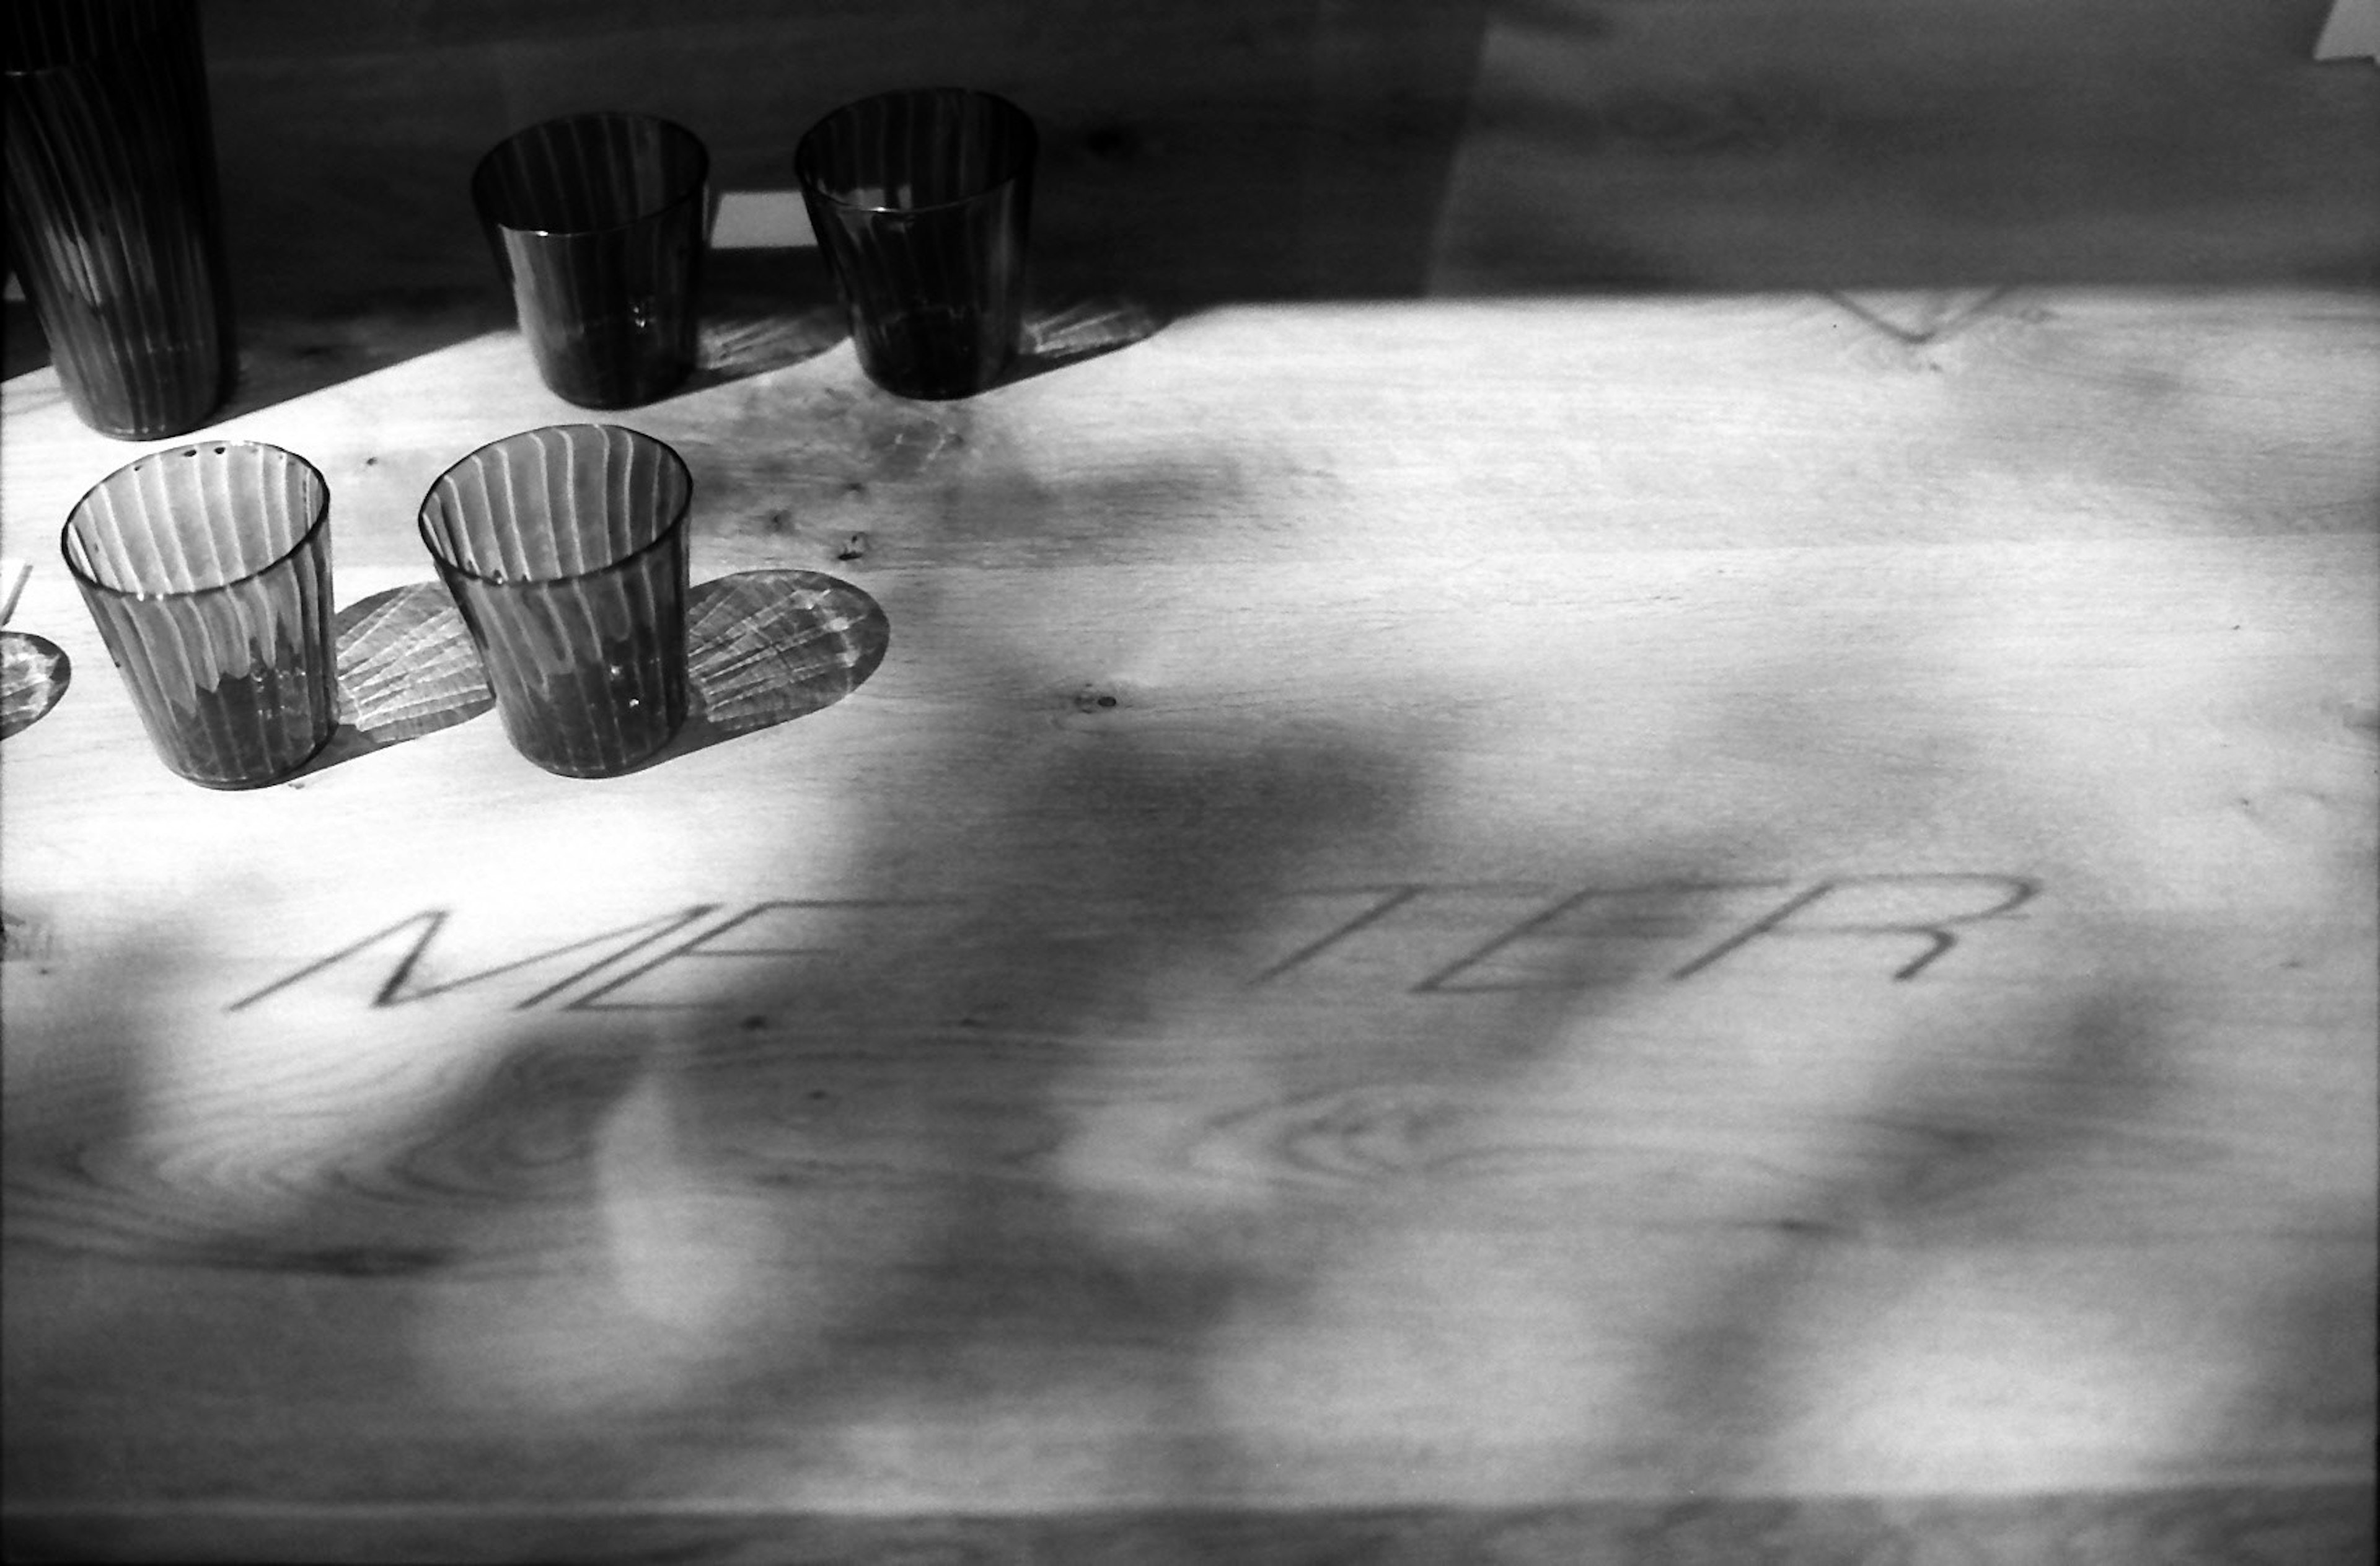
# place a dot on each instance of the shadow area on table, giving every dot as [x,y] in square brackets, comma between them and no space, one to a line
[1163,1078]
[407,670]
[759,311]
[1059,1123]
[763,647]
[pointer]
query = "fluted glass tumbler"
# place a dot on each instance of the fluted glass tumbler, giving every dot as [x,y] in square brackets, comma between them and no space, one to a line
[208,569]
[597,226]
[115,225]
[565,549]
[921,201]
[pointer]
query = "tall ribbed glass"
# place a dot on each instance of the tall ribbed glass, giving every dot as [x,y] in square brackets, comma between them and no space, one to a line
[921,201]
[208,569]
[597,223]
[565,549]
[114,225]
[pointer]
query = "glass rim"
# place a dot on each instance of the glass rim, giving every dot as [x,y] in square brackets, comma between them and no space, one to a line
[71,532]
[677,197]
[662,535]
[163,14]
[804,158]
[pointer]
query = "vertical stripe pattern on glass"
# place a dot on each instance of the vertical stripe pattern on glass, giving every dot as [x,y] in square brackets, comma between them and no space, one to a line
[922,201]
[596,224]
[208,570]
[115,225]
[565,549]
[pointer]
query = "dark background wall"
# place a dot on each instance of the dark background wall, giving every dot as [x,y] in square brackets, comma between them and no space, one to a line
[1369,148]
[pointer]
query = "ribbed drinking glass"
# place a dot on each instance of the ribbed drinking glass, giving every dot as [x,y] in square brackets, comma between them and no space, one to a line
[565,550]
[596,224]
[921,201]
[115,225]
[208,569]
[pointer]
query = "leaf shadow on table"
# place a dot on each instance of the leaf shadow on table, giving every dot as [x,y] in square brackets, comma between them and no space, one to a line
[1000,1133]
[732,1127]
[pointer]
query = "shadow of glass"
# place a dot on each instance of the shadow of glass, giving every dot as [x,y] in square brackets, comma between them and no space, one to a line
[764,647]
[763,310]
[407,668]
[282,357]
[35,672]
[771,321]
[736,346]
[1087,329]
[767,647]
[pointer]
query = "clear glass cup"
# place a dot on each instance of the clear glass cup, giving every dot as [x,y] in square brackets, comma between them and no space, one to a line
[921,201]
[208,570]
[597,223]
[565,550]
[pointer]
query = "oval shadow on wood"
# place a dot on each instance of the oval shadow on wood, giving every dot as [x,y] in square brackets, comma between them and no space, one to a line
[34,671]
[407,668]
[763,647]
[767,647]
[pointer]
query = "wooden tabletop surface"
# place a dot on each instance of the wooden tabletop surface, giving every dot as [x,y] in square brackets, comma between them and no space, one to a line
[1473,903]
[1536,928]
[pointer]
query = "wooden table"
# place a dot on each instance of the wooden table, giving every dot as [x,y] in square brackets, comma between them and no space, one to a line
[1550,929]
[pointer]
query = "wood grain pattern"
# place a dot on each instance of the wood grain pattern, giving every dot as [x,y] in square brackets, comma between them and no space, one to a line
[1543,925]
[1474,905]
